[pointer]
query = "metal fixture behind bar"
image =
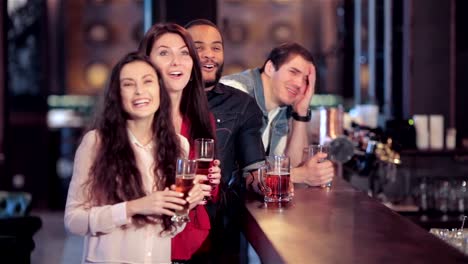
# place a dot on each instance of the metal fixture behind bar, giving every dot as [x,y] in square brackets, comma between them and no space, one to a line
[371,27]
[407,58]
[357,51]
[387,108]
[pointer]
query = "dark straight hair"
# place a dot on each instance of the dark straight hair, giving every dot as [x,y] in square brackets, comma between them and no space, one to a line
[284,52]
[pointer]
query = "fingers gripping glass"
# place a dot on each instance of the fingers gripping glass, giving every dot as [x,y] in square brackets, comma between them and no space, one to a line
[204,154]
[311,151]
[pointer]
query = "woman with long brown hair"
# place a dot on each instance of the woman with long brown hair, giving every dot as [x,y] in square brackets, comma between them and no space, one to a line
[171,49]
[121,196]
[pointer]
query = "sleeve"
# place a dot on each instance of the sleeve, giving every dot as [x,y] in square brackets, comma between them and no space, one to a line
[250,150]
[215,194]
[80,218]
[184,145]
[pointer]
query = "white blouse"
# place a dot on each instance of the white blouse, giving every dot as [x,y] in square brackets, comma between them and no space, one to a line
[105,241]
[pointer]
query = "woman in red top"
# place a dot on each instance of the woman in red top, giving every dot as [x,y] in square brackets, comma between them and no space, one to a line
[171,49]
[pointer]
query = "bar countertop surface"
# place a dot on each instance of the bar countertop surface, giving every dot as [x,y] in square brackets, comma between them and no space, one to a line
[340,225]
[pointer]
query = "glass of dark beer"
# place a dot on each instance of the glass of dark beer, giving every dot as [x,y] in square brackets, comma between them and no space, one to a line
[185,175]
[275,179]
[204,155]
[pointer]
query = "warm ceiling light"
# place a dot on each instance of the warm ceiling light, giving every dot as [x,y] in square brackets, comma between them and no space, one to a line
[96,74]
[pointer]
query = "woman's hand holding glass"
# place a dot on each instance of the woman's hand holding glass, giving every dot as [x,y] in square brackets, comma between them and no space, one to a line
[206,184]
[157,203]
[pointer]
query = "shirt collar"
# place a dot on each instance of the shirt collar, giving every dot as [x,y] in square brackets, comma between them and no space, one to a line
[217,89]
[135,141]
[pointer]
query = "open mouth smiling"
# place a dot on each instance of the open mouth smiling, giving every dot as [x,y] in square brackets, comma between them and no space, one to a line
[141,102]
[175,74]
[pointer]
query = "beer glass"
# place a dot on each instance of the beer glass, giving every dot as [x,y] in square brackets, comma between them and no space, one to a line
[275,179]
[313,150]
[204,155]
[185,175]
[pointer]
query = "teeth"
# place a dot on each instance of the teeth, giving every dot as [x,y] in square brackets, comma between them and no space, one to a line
[176,73]
[209,66]
[140,101]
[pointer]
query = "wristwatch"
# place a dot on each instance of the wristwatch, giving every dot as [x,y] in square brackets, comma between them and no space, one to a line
[297,117]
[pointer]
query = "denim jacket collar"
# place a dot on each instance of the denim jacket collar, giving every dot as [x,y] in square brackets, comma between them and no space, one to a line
[259,93]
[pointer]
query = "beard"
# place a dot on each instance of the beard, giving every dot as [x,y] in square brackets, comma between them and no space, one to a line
[210,83]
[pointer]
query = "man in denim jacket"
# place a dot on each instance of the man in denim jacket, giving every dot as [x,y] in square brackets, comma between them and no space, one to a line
[283,89]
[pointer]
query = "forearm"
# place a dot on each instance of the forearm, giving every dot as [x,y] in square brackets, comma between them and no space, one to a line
[297,140]
[297,175]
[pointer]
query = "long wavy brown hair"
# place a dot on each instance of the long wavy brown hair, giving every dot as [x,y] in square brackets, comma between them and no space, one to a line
[194,104]
[114,175]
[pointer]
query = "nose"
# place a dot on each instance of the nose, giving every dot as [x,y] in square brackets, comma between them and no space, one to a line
[138,89]
[175,60]
[207,53]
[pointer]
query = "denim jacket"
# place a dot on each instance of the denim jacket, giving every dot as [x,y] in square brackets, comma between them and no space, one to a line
[250,82]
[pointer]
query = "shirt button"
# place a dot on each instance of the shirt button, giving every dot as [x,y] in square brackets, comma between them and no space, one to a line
[149,254]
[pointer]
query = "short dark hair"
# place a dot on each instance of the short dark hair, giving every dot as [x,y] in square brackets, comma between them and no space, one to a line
[204,22]
[284,52]
[200,22]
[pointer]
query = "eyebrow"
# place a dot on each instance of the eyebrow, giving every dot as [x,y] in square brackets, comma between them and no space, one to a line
[164,46]
[296,69]
[149,74]
[214,42]
[131,79]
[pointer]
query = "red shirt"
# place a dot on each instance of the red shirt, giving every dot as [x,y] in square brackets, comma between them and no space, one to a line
[191,239]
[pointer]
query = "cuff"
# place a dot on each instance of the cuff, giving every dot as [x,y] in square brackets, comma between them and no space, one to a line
[253,166]
[119,214]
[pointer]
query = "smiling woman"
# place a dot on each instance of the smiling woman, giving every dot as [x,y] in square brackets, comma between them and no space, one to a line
[172,50]
[122,185]
[171,56]
[139,89]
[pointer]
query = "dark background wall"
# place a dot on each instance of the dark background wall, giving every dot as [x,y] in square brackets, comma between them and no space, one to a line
[3,15]
[183,11]
[462,69]
[430,46]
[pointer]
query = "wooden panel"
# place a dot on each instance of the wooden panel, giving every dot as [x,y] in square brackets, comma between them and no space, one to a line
[342,225]
[120,27]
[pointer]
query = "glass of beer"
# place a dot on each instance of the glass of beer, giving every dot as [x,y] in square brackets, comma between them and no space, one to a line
[185,175]
[316,148]
[275,179]
[204,155]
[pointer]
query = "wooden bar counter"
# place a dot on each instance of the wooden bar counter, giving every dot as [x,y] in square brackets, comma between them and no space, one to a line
[340,225]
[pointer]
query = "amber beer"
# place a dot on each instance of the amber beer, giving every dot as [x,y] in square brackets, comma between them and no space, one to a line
[278,183]
[275,179]
[203,166]
[183,185]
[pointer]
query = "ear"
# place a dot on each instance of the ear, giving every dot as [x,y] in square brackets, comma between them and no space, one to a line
[269,68]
